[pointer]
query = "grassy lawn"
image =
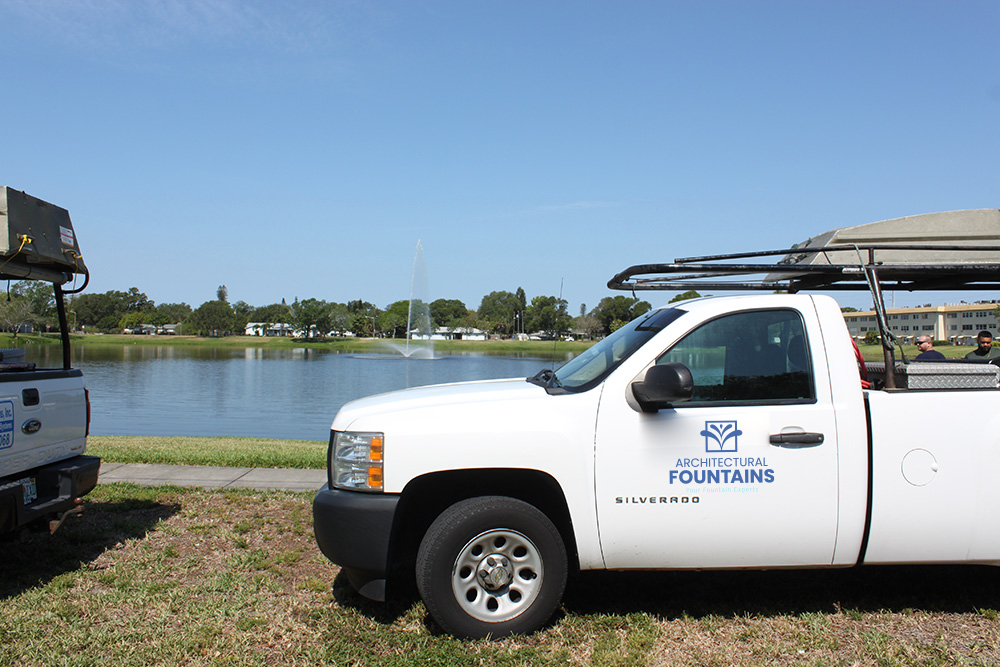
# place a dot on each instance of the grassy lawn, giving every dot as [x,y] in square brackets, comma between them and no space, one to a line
[368,345]
[167,576]
[236,452]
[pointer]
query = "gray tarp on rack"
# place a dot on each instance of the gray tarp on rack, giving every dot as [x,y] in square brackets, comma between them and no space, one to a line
[973,227]
[954,250]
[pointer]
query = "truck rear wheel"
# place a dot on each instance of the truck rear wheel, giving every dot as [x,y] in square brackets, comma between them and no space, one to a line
[491,566]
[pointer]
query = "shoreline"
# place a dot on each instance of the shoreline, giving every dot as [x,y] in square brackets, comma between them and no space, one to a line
[362,345]
[542,348]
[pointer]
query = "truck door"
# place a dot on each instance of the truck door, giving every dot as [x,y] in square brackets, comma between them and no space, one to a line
[742,475]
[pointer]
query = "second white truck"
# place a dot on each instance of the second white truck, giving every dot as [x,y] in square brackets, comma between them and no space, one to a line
[727,432]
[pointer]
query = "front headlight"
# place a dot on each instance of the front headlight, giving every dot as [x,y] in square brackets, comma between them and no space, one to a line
[356,460]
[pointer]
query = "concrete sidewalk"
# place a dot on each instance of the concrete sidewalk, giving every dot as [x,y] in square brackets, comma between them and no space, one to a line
[210,477]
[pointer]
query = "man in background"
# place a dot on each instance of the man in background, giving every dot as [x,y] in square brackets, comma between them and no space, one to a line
[984,350]
[926,349]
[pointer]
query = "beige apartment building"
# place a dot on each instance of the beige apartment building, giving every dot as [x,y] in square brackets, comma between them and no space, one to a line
[955,322]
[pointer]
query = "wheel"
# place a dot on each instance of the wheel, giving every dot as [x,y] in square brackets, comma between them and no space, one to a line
[491,566]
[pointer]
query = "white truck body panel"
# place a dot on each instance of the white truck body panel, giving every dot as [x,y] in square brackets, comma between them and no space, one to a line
[61,411]
[935,457]
[715,433]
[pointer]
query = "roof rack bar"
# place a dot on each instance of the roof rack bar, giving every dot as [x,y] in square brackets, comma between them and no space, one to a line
[836,248]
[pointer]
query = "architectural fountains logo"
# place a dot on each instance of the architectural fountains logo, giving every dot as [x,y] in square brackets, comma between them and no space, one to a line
[720,436]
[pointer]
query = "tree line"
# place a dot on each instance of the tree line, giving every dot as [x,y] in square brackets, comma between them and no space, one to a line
[501,313]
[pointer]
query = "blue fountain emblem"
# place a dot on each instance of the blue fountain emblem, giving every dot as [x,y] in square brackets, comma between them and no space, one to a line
[720,436]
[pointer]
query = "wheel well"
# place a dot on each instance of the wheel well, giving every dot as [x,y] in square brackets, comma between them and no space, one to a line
[424,498]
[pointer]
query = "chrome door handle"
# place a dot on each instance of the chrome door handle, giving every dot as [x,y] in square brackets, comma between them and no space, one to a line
[796,440]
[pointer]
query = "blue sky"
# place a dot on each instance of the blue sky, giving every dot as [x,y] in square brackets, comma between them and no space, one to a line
[300,149]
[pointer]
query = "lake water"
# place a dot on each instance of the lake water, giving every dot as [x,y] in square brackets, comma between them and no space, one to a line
[266,393]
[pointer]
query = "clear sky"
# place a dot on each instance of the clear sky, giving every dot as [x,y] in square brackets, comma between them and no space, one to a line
[300,149]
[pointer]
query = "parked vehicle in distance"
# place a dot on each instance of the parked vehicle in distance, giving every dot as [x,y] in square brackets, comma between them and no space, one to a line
[730,432]
[44,412]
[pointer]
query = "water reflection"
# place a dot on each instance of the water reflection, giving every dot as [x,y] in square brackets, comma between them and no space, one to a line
[258,392]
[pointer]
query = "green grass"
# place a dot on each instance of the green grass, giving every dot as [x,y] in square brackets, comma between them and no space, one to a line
[167,576]
[874,352]
[236,452]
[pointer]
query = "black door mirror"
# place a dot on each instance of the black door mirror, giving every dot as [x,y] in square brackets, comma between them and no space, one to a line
[662,386]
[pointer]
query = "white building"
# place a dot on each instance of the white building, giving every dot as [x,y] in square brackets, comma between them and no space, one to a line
[451,333]
[268,329]
[955,322]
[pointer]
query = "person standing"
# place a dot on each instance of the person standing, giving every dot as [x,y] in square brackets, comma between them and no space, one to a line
[926,349]
[984,350]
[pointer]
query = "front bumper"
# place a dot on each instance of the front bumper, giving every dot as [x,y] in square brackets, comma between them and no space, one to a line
[354,530]
[58,486]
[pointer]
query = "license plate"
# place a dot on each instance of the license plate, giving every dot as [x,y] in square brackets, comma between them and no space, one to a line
[29,489]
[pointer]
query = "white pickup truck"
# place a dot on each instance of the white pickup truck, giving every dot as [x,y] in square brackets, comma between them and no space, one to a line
[44,412]
[726,432]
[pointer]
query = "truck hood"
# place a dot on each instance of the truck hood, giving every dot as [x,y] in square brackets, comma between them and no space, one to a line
[454,395]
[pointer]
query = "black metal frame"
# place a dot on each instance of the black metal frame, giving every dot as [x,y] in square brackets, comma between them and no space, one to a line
[58,279]
[834,277]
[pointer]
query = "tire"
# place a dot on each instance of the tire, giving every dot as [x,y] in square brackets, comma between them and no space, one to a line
[491,566]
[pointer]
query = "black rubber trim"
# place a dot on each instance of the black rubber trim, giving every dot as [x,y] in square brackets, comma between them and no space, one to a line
[36,375]
[353,530]
[871,478]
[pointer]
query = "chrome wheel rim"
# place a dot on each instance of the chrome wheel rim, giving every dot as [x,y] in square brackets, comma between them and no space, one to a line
[497,575]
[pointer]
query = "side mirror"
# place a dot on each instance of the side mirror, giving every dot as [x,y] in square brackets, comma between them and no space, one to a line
[662,386]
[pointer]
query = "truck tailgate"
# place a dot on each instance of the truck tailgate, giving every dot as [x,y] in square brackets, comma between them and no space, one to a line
[43,418]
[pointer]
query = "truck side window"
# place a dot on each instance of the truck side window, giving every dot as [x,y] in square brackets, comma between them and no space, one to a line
[750,356]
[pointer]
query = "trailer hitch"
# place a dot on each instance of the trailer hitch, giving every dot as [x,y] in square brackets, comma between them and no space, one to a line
[54,524]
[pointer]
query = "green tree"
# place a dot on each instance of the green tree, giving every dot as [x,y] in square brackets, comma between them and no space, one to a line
[392,321]
[614,311]
[522,299]
[155,317]
[359,306]
[133,320]
[104,311]
[339,317]
[15,313]
[362,325]
[222,293]
[448,313]
[362,317]
[174,313]
[684,296]
[589,325]
[548,314]
[522,308]
[311,317]
[497,311]
[42,301]
[212,318]
[242,310]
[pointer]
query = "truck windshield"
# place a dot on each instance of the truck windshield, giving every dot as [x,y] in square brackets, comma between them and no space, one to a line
[590,368]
